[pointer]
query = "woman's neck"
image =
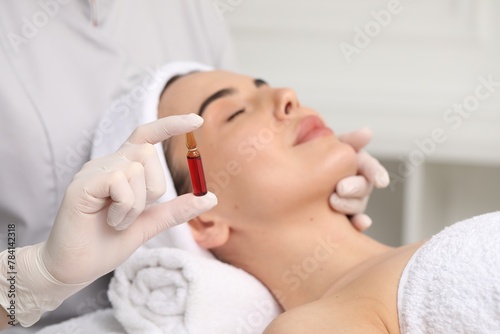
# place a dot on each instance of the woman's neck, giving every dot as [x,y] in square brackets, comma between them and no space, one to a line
[304,256]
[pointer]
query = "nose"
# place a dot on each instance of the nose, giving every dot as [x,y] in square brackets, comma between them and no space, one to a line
[286,103]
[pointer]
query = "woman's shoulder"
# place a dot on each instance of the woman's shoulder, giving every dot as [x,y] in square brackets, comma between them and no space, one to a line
[327,316]
[366,304]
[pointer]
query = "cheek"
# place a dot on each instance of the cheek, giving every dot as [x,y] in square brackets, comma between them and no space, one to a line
[222,166]
[313,172]
[238,158]
[221,175]
[239,174]
[337,163]
[239,164]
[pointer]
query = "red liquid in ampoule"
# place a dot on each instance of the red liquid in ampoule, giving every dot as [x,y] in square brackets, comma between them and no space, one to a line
[197,176]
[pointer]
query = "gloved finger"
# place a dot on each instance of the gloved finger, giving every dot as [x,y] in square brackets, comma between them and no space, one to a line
[354,187]
[146,154]
[348,206]
[361,222]
[357,139]
[122,196]
[162,216]
[164,128]
[135,175]
[372,170]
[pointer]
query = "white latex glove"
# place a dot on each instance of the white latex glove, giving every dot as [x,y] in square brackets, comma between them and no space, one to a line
[108,211]
[352,193]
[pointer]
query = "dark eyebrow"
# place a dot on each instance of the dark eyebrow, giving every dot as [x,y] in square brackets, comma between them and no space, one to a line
[260,82]
[217,95]
[225,92]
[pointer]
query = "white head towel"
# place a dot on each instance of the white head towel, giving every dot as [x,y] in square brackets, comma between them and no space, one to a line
[138,107]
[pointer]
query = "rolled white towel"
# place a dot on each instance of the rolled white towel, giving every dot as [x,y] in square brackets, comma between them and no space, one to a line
[166,290]
[452,283]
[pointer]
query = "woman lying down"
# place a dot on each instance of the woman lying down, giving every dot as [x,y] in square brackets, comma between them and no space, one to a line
[273,218]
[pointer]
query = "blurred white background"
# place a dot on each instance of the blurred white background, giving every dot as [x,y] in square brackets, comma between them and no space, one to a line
[416,72]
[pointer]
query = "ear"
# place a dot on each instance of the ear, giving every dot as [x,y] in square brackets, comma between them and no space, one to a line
[208,231]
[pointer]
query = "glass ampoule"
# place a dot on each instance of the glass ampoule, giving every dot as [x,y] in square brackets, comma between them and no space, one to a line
[195,166]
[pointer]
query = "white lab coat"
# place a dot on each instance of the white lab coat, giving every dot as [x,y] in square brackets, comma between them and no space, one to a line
[61,65]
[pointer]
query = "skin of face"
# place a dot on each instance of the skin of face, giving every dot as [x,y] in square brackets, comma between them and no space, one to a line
[251,159]
[273,214]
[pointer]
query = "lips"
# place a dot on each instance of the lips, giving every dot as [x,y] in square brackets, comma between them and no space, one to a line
[311,127]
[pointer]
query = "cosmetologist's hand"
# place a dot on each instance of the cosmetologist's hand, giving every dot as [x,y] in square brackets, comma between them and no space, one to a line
[352,193]
[108,211]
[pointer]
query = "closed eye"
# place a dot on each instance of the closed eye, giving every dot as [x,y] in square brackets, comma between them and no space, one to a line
[235,114]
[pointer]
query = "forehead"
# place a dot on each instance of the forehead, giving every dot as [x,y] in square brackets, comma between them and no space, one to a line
[187,93]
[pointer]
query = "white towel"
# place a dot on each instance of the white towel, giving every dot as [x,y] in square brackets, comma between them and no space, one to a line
[138,107]
[165,290]
[452,283]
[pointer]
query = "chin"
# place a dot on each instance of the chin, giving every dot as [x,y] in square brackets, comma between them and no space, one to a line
[340,162]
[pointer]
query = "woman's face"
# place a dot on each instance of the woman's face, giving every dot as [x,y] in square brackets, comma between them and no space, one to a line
[264,154]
